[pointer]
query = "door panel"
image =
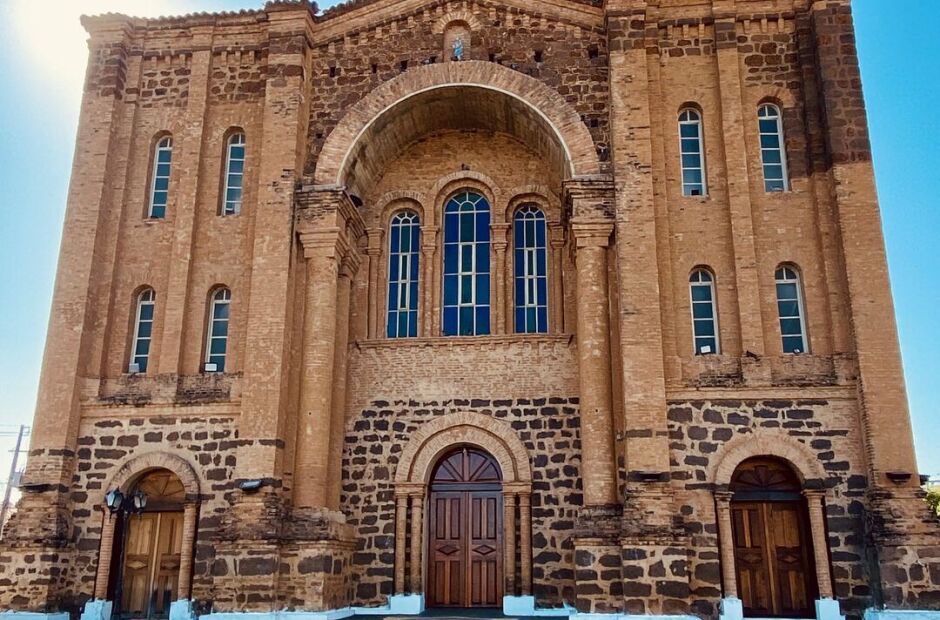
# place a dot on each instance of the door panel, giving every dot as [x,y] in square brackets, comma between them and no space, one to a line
[151,564]
[772,559]
[465,532]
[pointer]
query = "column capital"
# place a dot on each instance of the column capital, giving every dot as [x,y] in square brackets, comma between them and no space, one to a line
[816,494]
[409,489]
[328,242]
[723,497]
[556,233]
[592,234]
[375,236]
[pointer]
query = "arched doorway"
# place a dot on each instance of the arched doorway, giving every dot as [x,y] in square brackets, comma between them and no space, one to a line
[773,552]
[148,555]
[465,531]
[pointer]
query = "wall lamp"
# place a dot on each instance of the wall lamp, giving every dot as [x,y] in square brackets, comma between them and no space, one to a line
[116,502]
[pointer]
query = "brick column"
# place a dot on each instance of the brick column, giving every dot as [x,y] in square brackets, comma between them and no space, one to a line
[347,271]
[509,543]
[556,311]
[190,513]
[816,501]
[401,529]
[593,240]
[729,579]
[105,550]
[323,252]
[376,290]
[279,155]
[739,188]
[500,301]
[525,544]
[426,286]
[417,542]
[187,155]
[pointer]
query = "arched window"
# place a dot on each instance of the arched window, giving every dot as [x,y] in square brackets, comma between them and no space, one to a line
[531,274]
[790,310]
[403,253]
[217,333]
[772,149]
[467,265]
[143,331]
[160,179]
[704,312]
[234,174]
[692,153]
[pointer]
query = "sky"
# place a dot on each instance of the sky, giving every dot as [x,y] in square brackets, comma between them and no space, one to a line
[42,59]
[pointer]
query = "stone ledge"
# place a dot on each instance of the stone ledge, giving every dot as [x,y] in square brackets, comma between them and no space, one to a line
[466,341]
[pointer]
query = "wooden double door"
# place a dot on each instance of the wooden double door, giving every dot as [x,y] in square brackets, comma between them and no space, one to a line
[465,531]
[151,564]
[772,547]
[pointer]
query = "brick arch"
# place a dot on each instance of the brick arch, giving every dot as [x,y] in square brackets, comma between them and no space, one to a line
[434,438]
[342,162]
[459,15]
[135,467]
[450,184]
[767,443]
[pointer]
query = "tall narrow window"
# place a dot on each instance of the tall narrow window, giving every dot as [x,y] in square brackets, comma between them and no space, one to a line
[403,252]
[143,331]
[160,181]
[234,174]
[531,273]
[467,265]
[692,153]
[704,312]
[790,310]
[217,337]
[772,149]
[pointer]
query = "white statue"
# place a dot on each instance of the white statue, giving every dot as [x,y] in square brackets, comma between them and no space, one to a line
[458,49]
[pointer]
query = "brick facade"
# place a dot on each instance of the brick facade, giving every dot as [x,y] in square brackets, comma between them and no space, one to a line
[306,461]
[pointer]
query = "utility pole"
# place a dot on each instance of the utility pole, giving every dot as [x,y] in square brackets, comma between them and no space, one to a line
[6,493]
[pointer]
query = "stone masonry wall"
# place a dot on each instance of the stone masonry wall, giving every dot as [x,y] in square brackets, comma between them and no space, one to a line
[104,444]
[549,427]
[829,427]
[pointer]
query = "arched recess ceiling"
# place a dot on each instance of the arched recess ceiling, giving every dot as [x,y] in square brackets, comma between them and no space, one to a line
[449,108]
[473,95]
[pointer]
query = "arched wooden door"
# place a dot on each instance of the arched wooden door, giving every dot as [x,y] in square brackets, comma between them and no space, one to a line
[465,531]
[150,552]
[772,547]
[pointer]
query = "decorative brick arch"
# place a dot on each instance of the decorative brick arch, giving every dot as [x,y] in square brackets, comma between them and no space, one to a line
[437,436]
[459,15]
[132,469]
[767,443]
[562,120]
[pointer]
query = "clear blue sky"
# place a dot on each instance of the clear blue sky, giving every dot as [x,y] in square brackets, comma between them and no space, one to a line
[42,56]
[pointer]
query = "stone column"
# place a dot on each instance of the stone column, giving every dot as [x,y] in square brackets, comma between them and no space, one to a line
[347,272]
[401,524]
[509,542]
[104,554]
[376,290]
[323,252]
[525,544]
[816,500]
[190,514]
[427,284]
[556,312]
[417,542]
[726,544]
[500,302]
[593,239]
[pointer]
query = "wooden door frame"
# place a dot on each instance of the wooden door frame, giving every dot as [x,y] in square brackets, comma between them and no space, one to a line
[120,557]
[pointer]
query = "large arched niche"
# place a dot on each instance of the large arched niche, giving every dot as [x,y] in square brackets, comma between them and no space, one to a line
[469,95]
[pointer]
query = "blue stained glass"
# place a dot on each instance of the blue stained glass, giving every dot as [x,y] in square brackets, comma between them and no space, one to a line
[403,273]
[143,347]
[466,262]
[144,328]
[531,280]
[483,321]
[221,311]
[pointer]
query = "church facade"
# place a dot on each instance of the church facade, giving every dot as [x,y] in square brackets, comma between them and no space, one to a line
[554,306]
